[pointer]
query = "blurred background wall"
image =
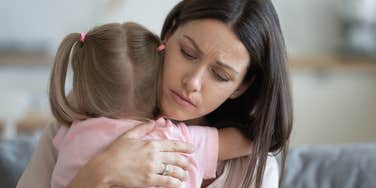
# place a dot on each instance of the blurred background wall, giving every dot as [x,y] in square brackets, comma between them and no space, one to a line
[331,47]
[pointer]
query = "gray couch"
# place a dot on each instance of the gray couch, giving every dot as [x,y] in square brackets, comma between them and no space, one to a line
[14,156]
[342,166]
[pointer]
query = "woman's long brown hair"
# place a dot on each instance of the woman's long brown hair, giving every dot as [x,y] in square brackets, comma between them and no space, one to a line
[114,73]
[264,111]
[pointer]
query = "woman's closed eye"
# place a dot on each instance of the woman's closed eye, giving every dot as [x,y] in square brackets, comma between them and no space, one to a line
[220,76]
[187,55]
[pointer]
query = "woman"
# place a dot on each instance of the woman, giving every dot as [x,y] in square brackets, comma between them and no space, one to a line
[225,65]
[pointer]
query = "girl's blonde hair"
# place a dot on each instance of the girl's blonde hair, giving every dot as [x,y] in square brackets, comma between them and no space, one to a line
[115,74]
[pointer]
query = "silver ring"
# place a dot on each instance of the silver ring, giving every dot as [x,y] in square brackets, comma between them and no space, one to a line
[165,170]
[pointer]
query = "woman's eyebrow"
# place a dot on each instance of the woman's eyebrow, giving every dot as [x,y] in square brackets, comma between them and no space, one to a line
[200,51]
[227,66]
[193,43]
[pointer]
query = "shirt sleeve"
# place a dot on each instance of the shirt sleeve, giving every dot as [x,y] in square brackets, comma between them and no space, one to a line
[271,173]
[39,169]
[205,141]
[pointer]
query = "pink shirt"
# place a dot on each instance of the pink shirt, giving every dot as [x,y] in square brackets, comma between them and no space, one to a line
[85,139]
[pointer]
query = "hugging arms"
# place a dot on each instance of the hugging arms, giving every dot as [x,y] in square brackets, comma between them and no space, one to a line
[229,62]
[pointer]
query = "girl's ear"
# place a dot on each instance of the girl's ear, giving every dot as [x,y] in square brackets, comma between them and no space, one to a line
[241,89]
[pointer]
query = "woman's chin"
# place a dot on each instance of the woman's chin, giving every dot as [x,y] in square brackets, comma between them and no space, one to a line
[178,116]
[194,120]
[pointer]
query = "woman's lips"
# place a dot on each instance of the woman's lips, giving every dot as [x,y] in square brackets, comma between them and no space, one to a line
[181,99]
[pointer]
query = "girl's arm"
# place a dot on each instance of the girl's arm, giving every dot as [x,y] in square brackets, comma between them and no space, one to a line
[233,144]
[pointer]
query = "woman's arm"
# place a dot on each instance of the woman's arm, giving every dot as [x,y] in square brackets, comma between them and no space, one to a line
[233,144]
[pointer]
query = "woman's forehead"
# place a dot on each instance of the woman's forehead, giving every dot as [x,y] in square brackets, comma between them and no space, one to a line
[214,38]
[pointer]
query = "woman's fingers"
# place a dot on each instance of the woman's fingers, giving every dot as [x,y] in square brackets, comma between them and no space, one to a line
[177,172]
[174,171]
[175,146]
[164,181]
[143,162]
[176,159]
[143,129]
[140,130]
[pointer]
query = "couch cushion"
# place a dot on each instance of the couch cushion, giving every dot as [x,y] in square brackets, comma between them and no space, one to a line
[341,166]
[14,156]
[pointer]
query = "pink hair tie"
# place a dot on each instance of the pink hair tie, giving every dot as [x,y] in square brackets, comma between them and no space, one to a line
[82,37]
[161,47]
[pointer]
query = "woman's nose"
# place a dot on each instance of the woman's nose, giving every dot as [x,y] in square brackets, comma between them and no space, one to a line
[192,81]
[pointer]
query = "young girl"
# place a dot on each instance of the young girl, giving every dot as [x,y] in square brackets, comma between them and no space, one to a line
[116,73]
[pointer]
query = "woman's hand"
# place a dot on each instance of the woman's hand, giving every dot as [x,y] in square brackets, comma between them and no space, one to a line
[133,162]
